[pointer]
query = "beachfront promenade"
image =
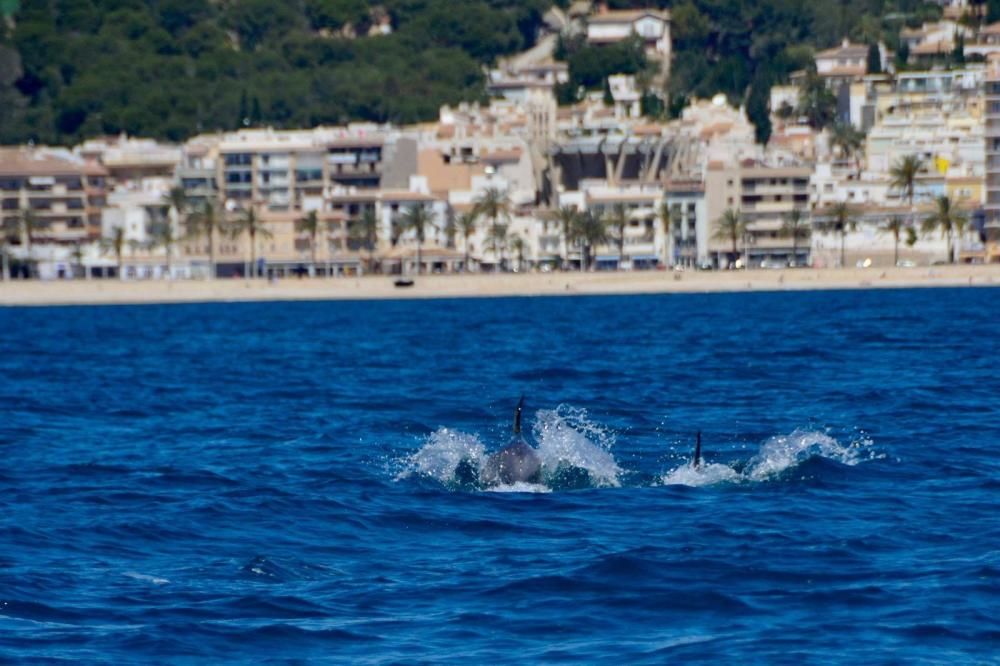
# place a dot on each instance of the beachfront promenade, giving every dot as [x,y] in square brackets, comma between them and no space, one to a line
[489,285]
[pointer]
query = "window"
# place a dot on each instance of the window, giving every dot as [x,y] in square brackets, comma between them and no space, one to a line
[238,159]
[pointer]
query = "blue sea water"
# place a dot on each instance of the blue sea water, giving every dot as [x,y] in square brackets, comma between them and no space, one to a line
[265,482]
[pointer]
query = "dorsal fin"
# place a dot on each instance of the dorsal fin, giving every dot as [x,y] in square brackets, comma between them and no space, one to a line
[517,416]
[696,461]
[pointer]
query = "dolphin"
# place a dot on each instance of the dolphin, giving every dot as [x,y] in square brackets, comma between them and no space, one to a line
[516,462]
[696,461]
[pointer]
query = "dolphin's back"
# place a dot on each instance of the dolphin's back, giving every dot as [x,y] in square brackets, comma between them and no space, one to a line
[517,462]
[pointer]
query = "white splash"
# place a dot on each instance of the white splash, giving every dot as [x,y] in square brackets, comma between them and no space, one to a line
[774,456]
[146,578]
[519,487]
[783,451]
[568,438]
[444,451]
[702,475]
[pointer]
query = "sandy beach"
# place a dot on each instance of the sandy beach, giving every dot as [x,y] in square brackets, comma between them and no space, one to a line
[81,292]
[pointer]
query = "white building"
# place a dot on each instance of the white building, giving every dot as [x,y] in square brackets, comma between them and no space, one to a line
[652,26]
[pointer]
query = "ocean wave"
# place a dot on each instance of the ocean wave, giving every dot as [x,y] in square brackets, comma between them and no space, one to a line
[776,456]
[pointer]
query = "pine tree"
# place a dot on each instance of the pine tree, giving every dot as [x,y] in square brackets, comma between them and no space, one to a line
[874,59]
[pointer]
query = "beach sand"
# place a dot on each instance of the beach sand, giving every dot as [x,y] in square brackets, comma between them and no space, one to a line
[80,292]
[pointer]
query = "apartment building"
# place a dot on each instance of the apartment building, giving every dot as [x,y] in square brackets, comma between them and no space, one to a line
[287,171]
[130,160]
[63,192]
[643,242]
[763,196]
[688,237]
[992,142]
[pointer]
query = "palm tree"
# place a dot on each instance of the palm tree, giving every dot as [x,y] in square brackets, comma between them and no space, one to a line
[176,200]
[29,224]
[162,235]
[618,220]
[310,224]
[364,231]
[895,226]
[518,245]
[8,231]
[205,222]
[903,178]
[117,244]
[498,239]
[592,231]
[177,204]
[418,217]
[450,227]
[841,221]
[731,227]
[948,219]
[849,140]
[494,204]
[667,219]
[248,222]
[78,260]
[334,232]
[568,219]
[466,223]
[795,226]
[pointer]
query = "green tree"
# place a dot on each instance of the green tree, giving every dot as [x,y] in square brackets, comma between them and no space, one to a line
[795,226]
[495,205]
[467,223]
[948,220]
[850,141]
[176,203]
[8,232]
[874,59]
[757,106]
[248,223]
[364,231]
[418,218]
[518,245]
[816,102]
[77,254]
[568,219]
[590,66]
[903,55]
[618,220]
[903,176]
[116,244]
[310,225]
[895,226]
[841,220]
[162,234]
[731,227]
[205,223]
[958,52]
[30,224]
[592,231]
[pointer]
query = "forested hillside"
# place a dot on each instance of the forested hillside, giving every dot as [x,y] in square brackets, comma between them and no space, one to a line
[172,68]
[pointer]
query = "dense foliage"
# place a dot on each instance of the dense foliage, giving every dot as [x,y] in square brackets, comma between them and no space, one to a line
[171,68]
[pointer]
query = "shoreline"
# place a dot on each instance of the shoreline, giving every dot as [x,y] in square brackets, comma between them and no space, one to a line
[380,287]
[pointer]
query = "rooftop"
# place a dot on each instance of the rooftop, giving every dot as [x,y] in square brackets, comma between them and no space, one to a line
[627,16]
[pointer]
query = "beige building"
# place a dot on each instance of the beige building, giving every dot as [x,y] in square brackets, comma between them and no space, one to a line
[63,192]
[992,132]
[763,196]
